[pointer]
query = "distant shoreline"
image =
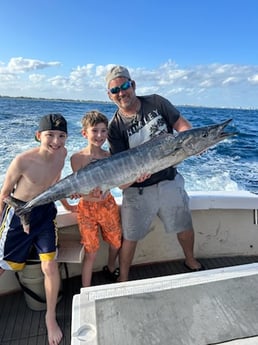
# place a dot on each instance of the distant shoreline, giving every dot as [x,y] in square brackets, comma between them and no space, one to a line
[108,102]
[55,99]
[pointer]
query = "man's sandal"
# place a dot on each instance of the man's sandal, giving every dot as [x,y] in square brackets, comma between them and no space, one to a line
[112,276]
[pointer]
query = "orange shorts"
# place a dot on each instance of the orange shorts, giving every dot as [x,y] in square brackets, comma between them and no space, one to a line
[102,215]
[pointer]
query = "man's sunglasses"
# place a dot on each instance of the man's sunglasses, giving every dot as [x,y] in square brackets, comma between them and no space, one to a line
[122,87]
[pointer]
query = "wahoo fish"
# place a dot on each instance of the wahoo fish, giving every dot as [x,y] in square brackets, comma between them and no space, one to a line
[158,153]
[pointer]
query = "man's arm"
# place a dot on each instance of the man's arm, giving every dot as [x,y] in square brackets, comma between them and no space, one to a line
[182,124]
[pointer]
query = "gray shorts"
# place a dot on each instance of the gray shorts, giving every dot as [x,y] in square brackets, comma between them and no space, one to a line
[167,199]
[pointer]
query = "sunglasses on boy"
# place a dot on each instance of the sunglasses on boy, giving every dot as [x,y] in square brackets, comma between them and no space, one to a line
[123,87]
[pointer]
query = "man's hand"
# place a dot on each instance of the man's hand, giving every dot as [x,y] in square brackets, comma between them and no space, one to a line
[75,196]
[140,179]
[143,177]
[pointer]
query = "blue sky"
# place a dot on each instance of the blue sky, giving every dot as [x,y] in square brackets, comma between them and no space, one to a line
[196,52]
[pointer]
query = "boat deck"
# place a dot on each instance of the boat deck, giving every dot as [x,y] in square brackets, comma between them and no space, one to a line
[21,326]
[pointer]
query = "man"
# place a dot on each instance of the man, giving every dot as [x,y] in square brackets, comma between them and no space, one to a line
[136,120]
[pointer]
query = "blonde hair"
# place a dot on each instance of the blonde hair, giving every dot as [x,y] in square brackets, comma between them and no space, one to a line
[92,118]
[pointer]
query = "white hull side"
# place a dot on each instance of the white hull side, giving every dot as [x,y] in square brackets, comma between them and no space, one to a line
[225,224]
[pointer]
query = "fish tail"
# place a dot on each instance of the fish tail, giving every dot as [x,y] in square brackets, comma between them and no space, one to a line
[19,208]
[15,203]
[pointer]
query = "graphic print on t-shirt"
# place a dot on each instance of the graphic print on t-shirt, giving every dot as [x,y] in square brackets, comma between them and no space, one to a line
[144,129]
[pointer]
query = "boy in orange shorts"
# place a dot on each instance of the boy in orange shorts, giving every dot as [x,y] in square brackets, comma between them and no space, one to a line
[96,211]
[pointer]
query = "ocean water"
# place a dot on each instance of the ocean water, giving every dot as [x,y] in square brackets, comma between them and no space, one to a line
[229,166]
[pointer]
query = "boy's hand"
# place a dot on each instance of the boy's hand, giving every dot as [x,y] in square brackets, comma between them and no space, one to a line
[97,194]
[25,224]
[26,228]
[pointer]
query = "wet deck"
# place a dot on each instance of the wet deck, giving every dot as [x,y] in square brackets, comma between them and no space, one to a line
[21,326]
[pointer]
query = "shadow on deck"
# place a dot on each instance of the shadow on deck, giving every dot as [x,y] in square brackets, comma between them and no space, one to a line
[21,326]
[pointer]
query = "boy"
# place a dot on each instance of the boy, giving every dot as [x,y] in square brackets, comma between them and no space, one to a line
[29,174]
[96,209]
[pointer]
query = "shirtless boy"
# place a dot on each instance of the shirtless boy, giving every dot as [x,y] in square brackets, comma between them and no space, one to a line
[29,174]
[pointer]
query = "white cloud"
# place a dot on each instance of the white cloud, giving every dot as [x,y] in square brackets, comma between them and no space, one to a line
[199,84]
[22,65]
[59,81]
[36,78]
[230,80]
[253,79]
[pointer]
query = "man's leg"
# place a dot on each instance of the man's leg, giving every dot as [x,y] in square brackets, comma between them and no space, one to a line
[126,255]
[186,240]
[52,285]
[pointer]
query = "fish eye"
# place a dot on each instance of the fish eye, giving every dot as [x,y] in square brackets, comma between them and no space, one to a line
[205,134]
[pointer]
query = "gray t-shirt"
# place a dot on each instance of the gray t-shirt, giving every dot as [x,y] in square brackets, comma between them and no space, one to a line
[156,115]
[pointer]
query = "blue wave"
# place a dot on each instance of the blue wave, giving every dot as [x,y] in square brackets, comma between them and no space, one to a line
[231,165]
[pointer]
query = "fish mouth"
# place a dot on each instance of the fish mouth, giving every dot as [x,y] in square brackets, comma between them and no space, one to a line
[222,126]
